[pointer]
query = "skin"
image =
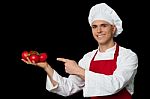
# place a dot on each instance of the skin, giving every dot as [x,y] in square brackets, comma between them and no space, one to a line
[103,33]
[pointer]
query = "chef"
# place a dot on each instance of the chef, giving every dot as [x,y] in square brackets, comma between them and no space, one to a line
[107,72]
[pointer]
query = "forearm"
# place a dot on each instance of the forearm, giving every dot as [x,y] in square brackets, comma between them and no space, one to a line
[50,72]
[81,73]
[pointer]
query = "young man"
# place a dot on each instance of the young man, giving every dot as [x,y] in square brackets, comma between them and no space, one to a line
[106,72]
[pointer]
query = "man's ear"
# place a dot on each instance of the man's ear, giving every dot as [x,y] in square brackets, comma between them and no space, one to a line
[114,29]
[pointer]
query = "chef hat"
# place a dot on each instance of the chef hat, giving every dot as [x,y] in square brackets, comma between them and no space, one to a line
[103,12]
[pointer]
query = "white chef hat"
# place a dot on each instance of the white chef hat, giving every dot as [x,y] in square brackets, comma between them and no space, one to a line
[103,12]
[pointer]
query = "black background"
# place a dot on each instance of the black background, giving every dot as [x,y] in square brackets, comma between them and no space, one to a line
[61,29]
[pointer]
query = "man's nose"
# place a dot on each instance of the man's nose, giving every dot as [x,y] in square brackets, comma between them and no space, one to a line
[99,29]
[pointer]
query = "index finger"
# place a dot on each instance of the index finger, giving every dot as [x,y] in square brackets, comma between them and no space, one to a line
[29,60]
[62,59]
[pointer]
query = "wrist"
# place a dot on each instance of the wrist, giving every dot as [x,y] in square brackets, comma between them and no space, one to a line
[46,67]
[49,70]
[81,72]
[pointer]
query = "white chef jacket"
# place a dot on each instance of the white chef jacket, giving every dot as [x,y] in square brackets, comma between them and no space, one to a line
[96,84]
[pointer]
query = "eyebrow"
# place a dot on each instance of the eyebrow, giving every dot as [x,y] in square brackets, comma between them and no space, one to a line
[101,24]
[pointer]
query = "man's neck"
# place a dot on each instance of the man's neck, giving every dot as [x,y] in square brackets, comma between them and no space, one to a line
[104,47]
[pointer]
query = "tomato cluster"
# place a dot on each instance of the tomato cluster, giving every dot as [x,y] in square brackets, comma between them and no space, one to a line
[34,56]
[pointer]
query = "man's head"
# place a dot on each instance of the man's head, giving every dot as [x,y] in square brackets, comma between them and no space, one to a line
[103,12]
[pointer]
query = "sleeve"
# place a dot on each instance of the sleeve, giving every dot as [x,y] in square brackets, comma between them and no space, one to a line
[72,84]
[97,84]
[65,86]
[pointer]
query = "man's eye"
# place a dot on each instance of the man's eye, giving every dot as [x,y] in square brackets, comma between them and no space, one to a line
[93,27]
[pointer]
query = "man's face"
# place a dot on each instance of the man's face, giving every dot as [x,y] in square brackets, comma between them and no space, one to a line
[103,32]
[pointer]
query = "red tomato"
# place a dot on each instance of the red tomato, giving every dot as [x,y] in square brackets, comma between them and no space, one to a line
[25,54]
[34,58]
[42,57]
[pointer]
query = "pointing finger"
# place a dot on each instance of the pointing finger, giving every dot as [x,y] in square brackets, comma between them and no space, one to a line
[62,59]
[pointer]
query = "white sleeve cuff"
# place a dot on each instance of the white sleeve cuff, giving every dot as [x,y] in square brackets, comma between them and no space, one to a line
[49,85]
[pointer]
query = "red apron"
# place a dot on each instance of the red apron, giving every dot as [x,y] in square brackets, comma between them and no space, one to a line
[107,67]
